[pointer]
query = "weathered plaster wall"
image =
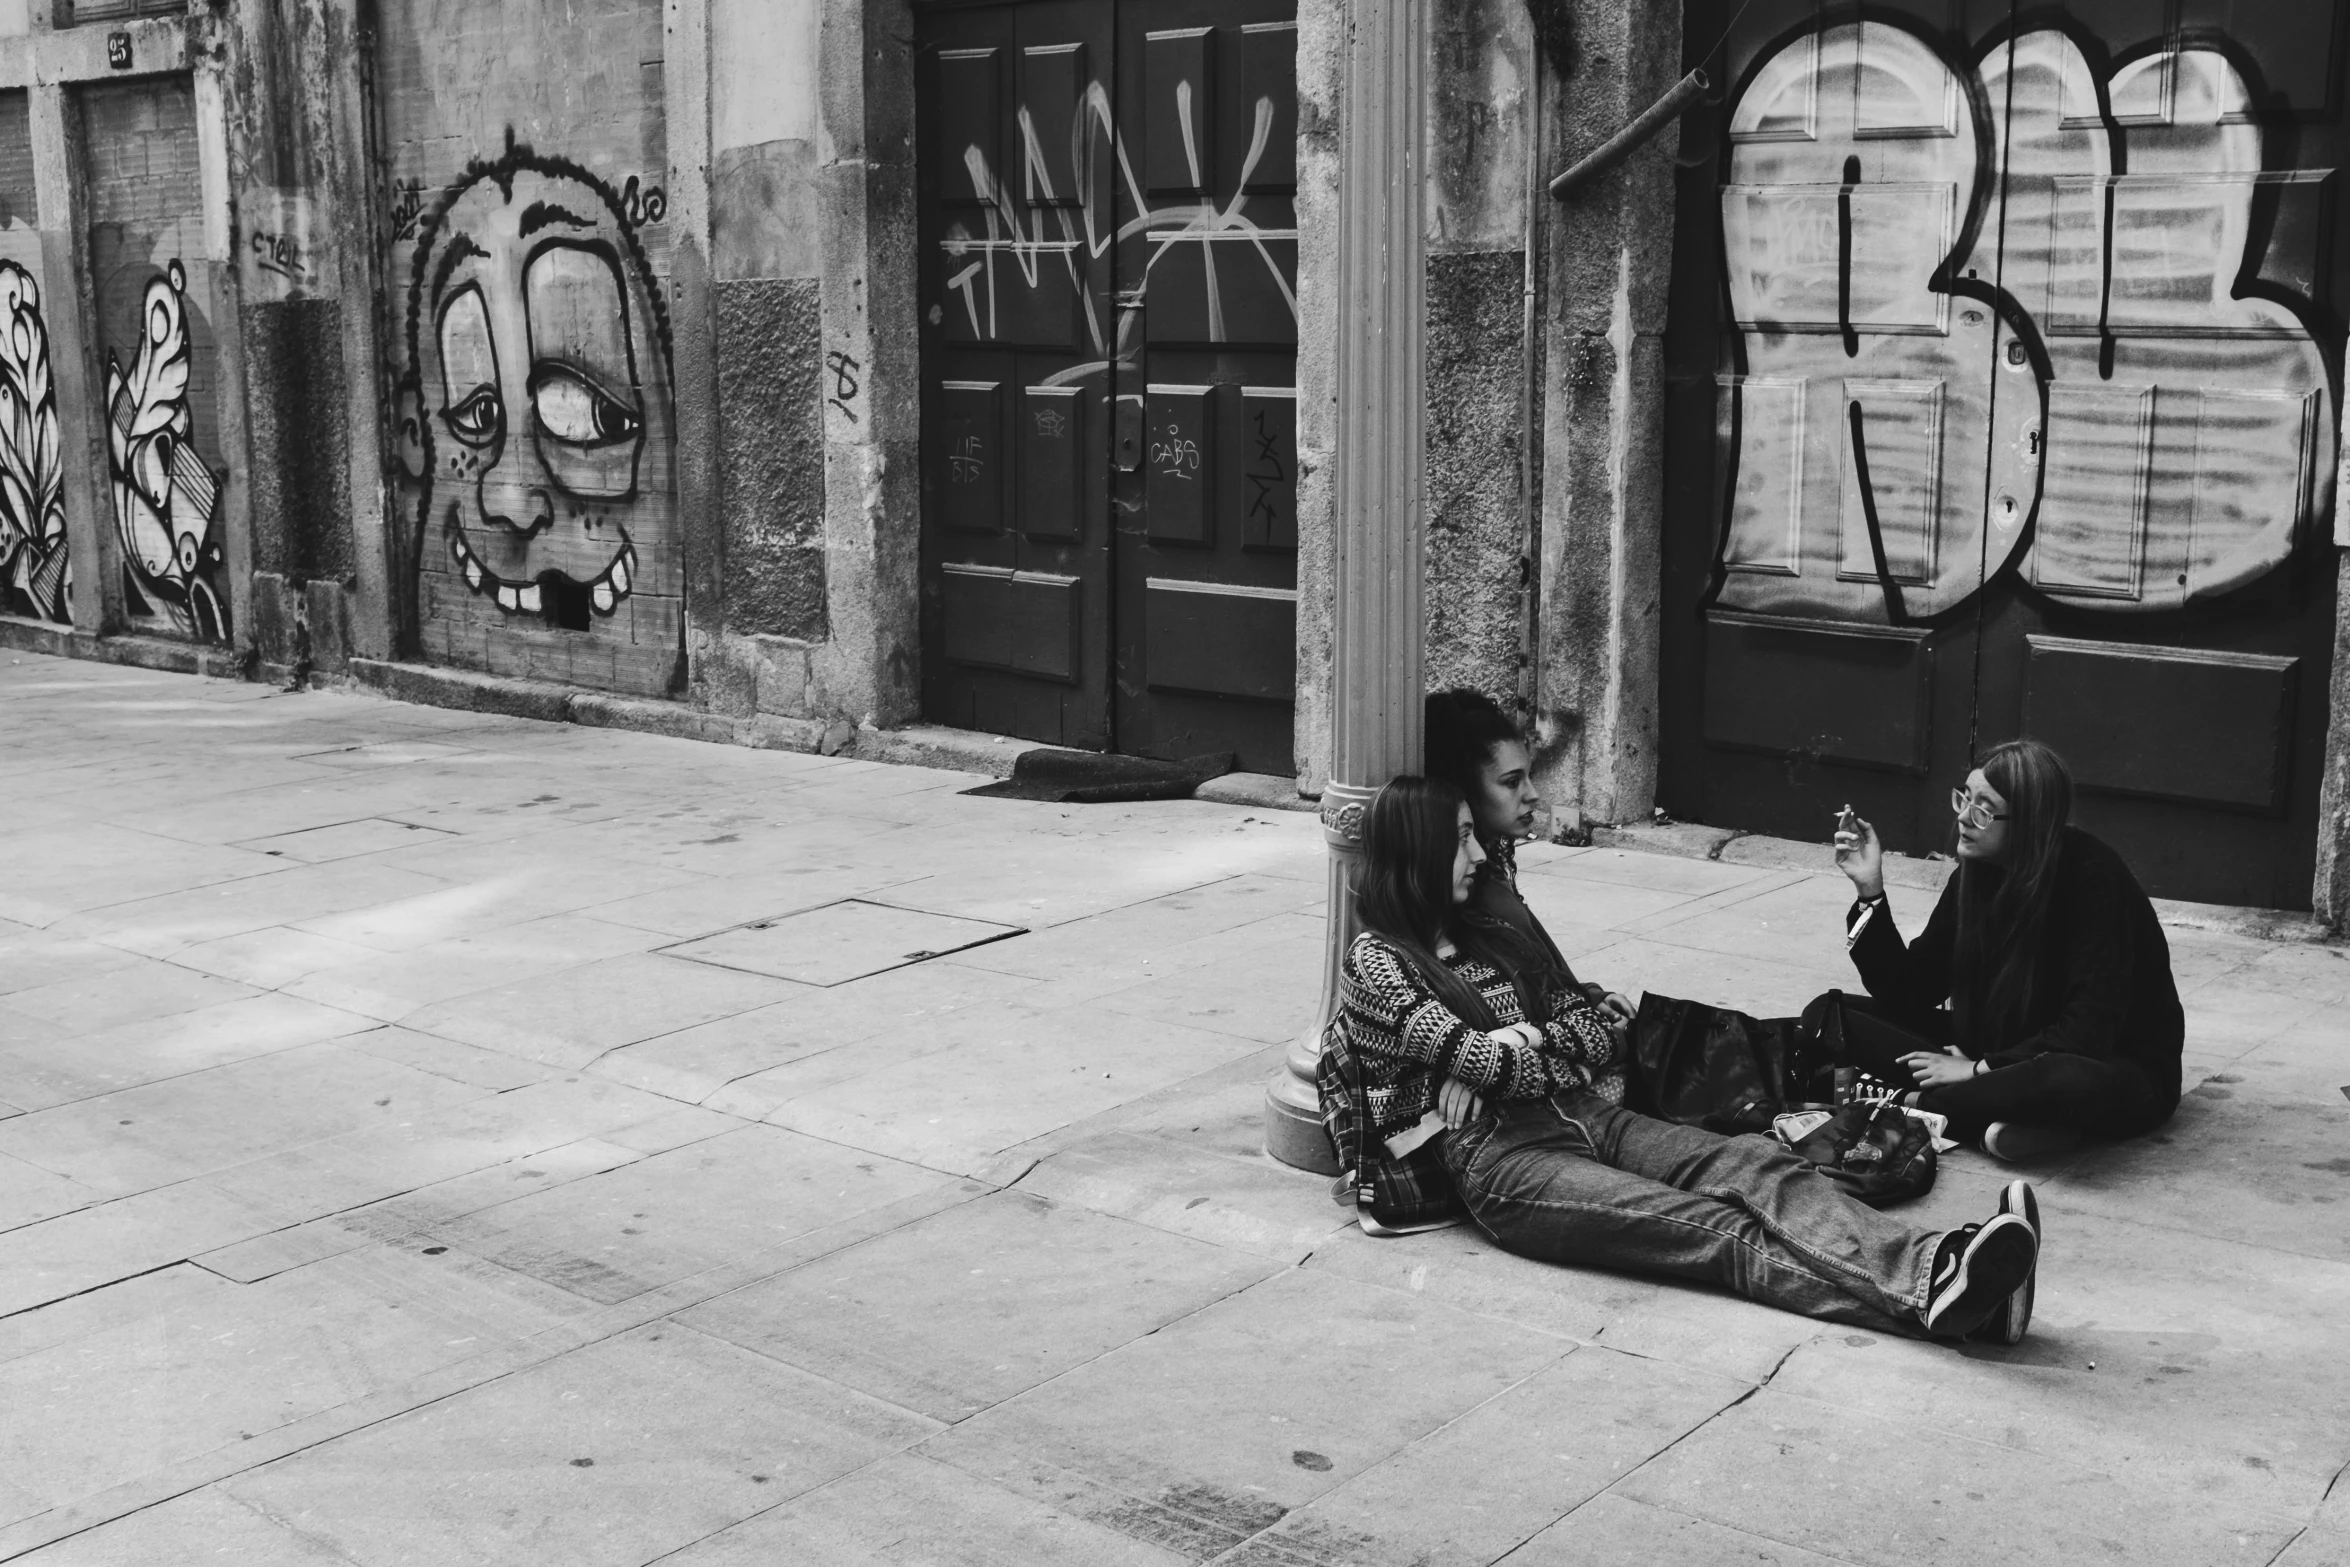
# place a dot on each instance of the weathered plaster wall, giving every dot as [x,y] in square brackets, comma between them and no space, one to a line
[870,669]
[766,258]
[811,229]
[297,419]
[1608,250]
[1481,123]
[764,152]
[2330,895]
[1476,536]
[771,446]
[281,151]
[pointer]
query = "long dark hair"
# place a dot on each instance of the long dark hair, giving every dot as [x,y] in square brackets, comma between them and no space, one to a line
[2003,909]
[1403,894]
[1460,730]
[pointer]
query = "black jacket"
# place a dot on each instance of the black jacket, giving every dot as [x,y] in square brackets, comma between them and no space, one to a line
[2104,988]
[1494,896]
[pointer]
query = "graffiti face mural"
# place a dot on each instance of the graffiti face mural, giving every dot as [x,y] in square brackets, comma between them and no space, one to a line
[35,577]
[536,411]
[166,502]
[1998,317]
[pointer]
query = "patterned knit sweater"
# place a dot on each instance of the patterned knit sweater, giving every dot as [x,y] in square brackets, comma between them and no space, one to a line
[1406,1041]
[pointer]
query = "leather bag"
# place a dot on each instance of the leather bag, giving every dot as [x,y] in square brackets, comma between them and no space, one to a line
[1709,1066]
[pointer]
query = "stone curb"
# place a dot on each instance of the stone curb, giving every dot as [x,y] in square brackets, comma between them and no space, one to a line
[136,652]
[936,745]
[426,685]
[1687,840]
[1265,791]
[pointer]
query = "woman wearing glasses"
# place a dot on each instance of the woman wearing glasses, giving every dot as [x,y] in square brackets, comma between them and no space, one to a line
[2062,1019]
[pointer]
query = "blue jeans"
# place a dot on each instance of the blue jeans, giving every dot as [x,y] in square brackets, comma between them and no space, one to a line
[1576,1179]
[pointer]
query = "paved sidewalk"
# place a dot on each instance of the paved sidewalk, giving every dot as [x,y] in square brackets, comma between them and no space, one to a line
[430,1138]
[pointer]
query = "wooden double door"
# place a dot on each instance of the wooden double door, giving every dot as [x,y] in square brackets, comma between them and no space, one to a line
[1108,281]
[2005,364]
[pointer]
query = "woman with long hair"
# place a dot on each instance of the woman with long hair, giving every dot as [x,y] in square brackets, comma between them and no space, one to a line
[1471,744]
[1449,1048]
[2063,1020]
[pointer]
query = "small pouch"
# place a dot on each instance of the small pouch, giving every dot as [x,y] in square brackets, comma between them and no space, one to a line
[1882,1153]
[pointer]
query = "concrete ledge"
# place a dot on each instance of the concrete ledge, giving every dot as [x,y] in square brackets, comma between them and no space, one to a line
[159,653]
[597,710]
[1731,847]
[464,690]
[1266,791]
[1686,839]
[2259,924]
[936,745]
[429,685]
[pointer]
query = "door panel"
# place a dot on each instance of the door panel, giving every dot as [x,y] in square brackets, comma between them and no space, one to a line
[1109,434]
[1015,168]
[2085,448]
[1207,524]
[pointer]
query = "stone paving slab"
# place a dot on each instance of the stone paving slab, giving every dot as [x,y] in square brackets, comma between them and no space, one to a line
[1886,1485]
[1252,1412]
[967,1308]
[898,1245]
[1472,1490]
[200,1526]
[47,1065]
[1612,1530]
[907,1511]
[618,1453]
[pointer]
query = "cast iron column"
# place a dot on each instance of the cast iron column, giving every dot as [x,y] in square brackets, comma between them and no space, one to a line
[1378,462]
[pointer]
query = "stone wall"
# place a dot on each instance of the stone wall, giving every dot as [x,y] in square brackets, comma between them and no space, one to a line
[1607,254]
[1483,113]
[811,244]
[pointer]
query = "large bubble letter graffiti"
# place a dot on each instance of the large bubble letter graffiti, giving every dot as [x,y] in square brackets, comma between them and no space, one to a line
[35,577]
[166,502]
[535,416]
[1990,320]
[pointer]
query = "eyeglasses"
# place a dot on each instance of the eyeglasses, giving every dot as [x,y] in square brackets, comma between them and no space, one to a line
[1976,813]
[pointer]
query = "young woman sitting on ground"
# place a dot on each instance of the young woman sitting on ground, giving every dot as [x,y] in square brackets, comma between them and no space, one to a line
[2063,1019]
[1453,1038]
[1467,741]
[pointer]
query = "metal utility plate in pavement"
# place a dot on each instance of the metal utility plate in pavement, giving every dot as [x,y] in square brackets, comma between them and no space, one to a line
[316,845]
[839,942]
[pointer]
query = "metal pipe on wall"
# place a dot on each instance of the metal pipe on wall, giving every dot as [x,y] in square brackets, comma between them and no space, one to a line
[1625,142]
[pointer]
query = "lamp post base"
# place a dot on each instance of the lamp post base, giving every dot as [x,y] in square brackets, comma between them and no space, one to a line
[1293,1115]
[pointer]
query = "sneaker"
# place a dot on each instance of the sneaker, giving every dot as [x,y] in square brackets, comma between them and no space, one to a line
[2013,1142]
[2013,1319]
[1976,1268]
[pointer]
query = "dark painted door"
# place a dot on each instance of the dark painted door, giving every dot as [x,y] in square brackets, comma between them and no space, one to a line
[1018,320]
[2004,387]
[1108,297]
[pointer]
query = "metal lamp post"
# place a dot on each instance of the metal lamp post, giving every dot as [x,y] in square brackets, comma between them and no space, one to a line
[1379,467]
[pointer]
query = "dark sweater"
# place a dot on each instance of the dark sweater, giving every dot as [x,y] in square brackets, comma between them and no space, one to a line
[1494,896]
[2104,988]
